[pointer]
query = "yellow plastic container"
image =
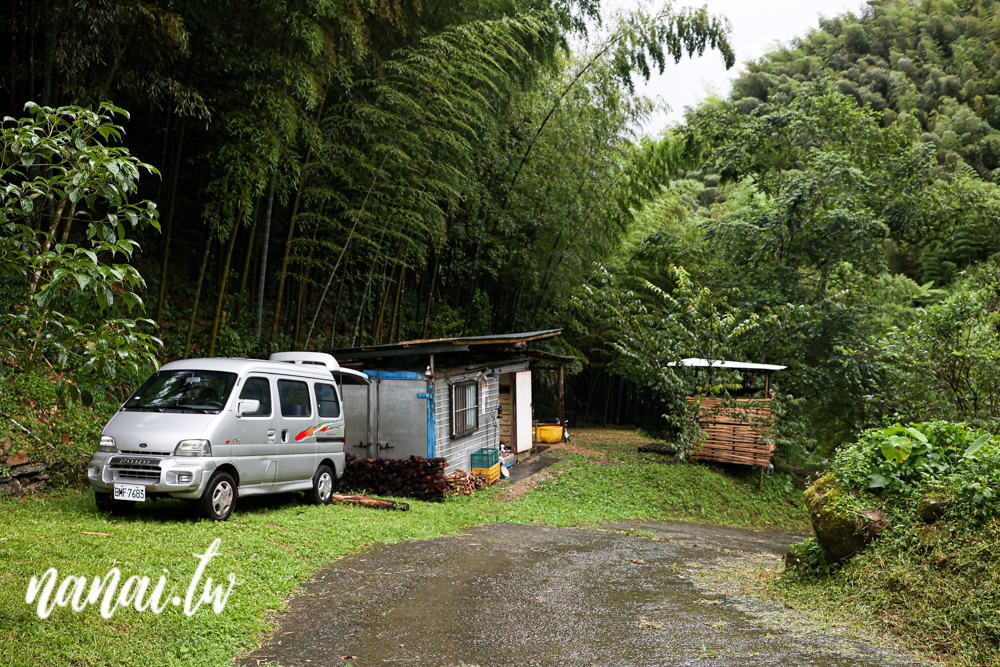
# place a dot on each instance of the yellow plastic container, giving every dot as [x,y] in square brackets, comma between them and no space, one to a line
[548,433]
[491,474]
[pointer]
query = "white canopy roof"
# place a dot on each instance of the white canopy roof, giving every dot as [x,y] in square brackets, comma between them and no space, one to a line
[732,365]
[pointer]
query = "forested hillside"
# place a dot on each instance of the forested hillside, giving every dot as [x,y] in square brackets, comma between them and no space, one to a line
[346,173]
[837,212]
[313,174]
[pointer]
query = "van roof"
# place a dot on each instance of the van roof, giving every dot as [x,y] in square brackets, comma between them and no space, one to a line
[302,367]
[243,366]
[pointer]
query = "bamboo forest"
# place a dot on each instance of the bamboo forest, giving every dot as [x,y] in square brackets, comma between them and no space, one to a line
[564,369]
[228,179]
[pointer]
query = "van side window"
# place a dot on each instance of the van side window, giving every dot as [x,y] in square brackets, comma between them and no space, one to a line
[294,397]
[258,389]
[326,400]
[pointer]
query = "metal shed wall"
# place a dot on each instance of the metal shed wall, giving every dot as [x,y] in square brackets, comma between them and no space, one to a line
[458,450]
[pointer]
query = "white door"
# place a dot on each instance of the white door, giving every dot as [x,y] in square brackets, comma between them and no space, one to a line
[522,411]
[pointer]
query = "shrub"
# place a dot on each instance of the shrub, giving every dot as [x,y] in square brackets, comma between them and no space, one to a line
[906,463]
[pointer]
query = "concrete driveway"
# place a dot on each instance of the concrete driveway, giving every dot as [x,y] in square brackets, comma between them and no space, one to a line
[530,595]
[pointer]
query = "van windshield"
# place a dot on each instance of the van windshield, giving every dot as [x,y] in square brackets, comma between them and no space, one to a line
[204,392]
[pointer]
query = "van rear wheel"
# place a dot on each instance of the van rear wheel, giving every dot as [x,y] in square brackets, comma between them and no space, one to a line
[324,482]
[219,498]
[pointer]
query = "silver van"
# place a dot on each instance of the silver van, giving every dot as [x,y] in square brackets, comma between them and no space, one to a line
[212,430]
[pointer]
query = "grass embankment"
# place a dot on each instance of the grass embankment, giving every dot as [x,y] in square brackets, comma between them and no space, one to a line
[59,431]
[936,587]
[273,544]
[932,576]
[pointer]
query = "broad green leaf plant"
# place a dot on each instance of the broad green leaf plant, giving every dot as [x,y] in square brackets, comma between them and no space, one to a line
[62,179]
[907,462]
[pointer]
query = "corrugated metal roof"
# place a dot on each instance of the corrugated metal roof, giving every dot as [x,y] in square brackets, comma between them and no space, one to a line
[721,363]
[456,344]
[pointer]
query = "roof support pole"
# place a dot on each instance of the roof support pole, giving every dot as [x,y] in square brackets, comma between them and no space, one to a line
[562,402]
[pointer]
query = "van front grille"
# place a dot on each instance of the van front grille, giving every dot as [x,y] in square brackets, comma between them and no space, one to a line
[145,470]
[141,475]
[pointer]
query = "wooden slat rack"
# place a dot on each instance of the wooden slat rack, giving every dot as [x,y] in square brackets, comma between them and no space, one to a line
[735,430]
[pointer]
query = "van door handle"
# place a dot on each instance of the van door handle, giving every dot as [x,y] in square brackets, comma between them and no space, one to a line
[270,435]
[284,435]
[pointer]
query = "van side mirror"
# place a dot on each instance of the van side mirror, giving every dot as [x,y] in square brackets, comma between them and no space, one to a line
[247,406]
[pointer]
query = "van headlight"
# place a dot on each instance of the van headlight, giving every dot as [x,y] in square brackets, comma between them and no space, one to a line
[107,445]
[94,474]
[193,448]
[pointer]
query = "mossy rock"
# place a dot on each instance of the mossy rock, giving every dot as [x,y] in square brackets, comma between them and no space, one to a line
[932,508]
[841,528]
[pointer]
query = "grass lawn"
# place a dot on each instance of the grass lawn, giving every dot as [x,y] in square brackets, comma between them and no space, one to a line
[274,543]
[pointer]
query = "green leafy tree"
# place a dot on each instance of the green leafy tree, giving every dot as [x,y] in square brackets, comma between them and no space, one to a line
[653,331]
[67,301]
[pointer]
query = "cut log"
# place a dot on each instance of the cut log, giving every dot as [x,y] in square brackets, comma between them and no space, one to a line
[368,501]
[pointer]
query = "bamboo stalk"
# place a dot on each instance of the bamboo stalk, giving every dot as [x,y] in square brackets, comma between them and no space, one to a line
[395,310]
[250,246]
[263,260]
[223,284]
[430,292]
[377,336]
[291,232]
[169,226]
[197,291]
[303,285]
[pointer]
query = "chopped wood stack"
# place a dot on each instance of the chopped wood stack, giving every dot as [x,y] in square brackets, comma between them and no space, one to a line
[414,477]
[461,483]
[735,431]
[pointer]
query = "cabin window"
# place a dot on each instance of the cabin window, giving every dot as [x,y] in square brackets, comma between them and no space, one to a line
[464,408]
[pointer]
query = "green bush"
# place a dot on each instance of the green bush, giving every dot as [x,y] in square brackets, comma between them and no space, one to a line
[906,463]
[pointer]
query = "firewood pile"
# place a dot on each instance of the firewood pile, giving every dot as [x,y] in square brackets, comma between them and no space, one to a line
[414,477]
[461,483]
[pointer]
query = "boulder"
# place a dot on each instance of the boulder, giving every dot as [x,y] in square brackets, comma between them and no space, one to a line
[932,508]
[840,530]
[12,488]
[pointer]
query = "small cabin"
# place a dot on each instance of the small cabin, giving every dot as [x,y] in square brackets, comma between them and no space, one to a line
[440,397]
[734,429]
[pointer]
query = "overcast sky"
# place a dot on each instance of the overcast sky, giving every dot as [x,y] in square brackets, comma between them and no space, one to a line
[757,24]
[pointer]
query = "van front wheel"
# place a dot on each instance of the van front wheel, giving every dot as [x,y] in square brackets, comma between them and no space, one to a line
[219,498]
[324,482]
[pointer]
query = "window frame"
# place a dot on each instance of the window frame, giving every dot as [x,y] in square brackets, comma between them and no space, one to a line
[473,407]
[336,395]
[308,403]
[270,391]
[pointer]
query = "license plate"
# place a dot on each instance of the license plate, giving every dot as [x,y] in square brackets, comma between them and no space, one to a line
[132,492]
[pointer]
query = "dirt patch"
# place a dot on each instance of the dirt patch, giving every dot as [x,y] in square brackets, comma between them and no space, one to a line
[608,439]
[519,489]
[573,449]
